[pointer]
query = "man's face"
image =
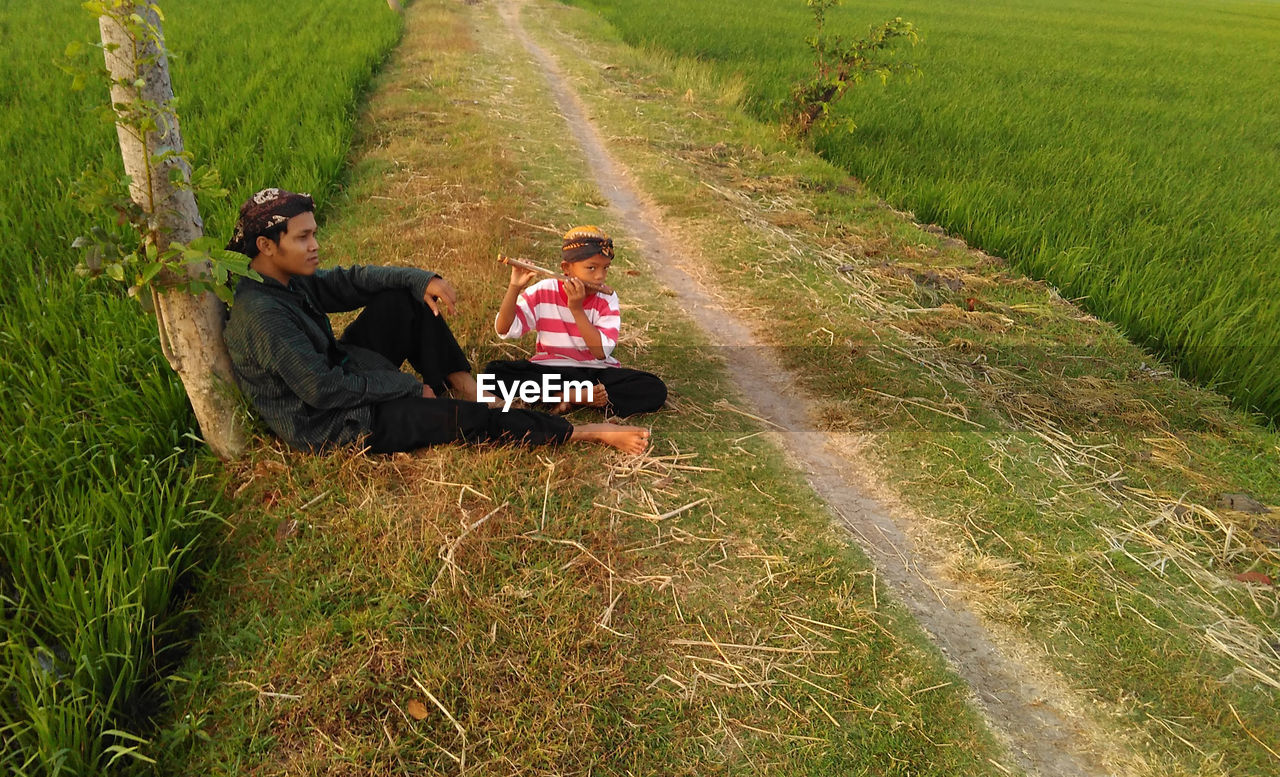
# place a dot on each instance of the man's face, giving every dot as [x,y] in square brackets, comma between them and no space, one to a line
[297,253]
[594,270]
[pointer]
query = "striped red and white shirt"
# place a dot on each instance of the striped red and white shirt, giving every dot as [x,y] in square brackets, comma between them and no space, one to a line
[544,308]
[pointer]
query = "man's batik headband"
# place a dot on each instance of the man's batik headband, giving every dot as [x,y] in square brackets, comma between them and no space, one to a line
[260,213]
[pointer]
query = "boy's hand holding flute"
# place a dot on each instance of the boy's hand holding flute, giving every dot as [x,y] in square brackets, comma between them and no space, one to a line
[531,271]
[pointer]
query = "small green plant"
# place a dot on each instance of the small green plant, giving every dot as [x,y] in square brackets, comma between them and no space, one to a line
[147,257]
[841,64]
[133,257]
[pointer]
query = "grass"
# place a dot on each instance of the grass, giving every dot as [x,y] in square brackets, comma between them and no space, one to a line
[496,610]
[1068,485]
[1118,153]
[104,522]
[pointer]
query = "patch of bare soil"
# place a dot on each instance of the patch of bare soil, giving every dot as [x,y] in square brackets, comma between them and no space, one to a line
[1045,724]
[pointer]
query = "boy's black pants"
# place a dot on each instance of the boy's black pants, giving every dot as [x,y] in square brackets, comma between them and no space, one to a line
[630,391]
[399,327]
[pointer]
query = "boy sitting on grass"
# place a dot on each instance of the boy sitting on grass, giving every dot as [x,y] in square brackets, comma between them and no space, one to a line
[577,329]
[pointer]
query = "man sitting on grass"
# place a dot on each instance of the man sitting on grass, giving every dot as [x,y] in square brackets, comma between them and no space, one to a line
[316,391]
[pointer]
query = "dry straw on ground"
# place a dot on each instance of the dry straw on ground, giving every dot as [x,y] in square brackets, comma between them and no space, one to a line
[1158,531]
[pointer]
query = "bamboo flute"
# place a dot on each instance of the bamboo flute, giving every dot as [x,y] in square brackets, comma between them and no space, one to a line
[522,264]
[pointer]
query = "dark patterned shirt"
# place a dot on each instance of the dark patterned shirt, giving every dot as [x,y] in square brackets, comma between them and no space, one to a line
[311,390]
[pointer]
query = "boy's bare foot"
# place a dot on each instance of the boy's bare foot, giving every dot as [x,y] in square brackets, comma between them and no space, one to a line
[628,439]
[599,398]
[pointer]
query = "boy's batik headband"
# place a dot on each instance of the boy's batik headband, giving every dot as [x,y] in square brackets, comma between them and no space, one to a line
[585,242]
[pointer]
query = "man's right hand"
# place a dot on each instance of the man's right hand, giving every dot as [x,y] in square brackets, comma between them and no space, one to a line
[427,393]
[440,295]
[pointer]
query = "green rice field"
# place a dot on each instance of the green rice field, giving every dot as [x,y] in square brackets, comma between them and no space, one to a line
[1126,151]
[103,514]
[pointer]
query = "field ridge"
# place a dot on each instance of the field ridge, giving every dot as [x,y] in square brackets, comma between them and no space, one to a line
[695,611]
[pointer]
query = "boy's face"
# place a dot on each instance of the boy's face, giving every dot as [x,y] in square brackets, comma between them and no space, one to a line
[297,253]
[593,270]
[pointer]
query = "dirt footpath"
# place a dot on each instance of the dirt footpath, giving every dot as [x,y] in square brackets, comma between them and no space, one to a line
[1039,719]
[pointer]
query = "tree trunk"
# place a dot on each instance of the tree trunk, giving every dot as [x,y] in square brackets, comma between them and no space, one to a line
[190,325]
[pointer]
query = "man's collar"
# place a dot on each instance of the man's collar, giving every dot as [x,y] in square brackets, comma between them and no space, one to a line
[272,283]
[265,285]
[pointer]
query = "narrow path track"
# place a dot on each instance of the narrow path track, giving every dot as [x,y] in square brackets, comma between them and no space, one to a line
[1018,699]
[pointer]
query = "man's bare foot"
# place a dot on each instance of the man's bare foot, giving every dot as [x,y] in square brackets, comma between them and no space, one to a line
[628,439]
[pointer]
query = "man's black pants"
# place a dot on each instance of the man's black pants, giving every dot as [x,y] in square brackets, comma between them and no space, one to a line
[413,422]
[400,328]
